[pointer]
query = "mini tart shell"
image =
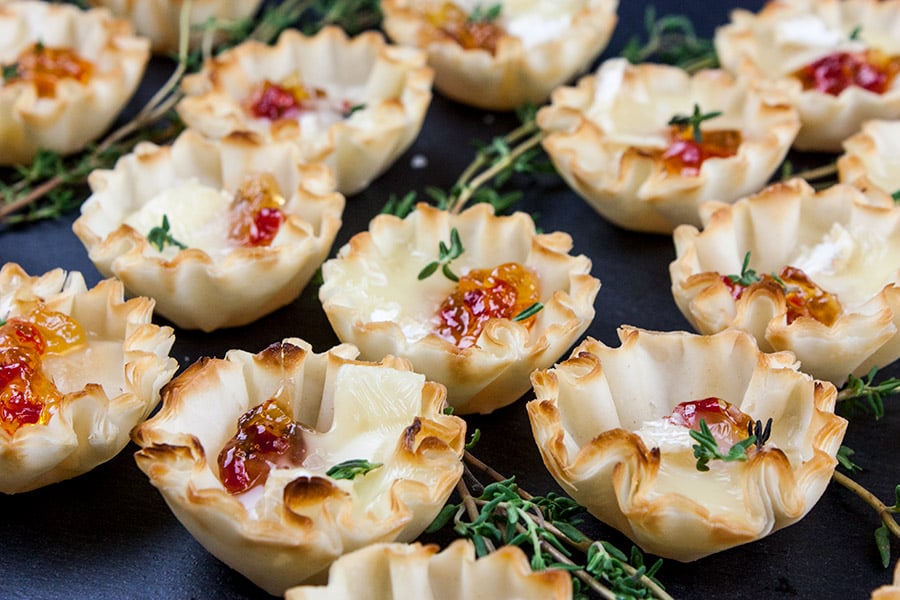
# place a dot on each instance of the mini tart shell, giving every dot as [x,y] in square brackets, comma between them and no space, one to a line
[158,20]
[77,113]
[243,283]
[301,520]
[870,162]
[600,135]
[516,73]
[759,45]
[387,571]
[790,224]
[392,84]
[587,411]
[108,386]
[891,591]
[374,300]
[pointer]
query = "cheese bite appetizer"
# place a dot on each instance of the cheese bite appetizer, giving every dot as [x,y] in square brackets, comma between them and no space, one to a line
[279,462]
[618,429]
[870,160]
[500,55]
[78,369]
[355,104]
[66,74]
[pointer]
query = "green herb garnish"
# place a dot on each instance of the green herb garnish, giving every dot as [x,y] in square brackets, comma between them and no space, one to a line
[446,254]
[707,449]
[350,469]
[490,14]
[160,237]
[693,121]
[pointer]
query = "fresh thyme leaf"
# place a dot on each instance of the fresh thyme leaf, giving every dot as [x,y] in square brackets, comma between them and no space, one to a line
[448,410]
[883,543]
[400,207]
[843,457]
[476,435]
[353,109]
[160,237]
[10,71]
[446,254]
[896,196]
[707,448]
[671,40]
[854,35]
[759,432]
[748,276]
[350,469]
[867,395]
[490,14]
[693,121]
[529,312]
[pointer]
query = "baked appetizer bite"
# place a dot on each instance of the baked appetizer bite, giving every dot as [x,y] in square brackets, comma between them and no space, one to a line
[838,60]
[281,461]
[388,571]
[500,55]
[816,273]
[869,161]
[78,369]
[474,301]
[66,74]
[159,20]
[645,144]
[354,104]
[889,592]
[220,233]
[687,444]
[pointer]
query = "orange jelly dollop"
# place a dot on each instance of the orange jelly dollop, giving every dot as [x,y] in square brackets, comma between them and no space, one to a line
[454,23]
[46,66]
[727,423]
[804,297]
[27,395]
[256,213]
[266,437]
[872,70]
[484,294]
[685,155]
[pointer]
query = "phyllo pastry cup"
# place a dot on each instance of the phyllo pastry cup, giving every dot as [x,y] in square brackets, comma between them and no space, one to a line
[375,297]
[826,282]
[890,591]
[610,139]
[66,75]
[603,423]
[871,159]
[355,104]
[389,571]
[159,19]
[293,523]
[837,59]
[69,401]
[499,62]
[254,223]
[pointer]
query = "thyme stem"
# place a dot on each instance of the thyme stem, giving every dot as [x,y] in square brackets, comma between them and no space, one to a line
[817,172]
[884,513]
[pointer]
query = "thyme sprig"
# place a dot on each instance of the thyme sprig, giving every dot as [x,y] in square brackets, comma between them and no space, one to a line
[747,276]
[480,14]
[707,448]
[160,236]
[693,121]
[61,180]
[864,394]
[446,255]
[889,525]
[546,528]
[671,40]
[529,312]
[351,469]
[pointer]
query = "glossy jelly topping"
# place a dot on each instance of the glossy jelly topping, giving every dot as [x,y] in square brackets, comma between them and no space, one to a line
[872,70]
[266,437]
[256,211]
[471,33]
[27,395]
[45,66]
[727,423]
[484,294]
[803,297]
[685,155]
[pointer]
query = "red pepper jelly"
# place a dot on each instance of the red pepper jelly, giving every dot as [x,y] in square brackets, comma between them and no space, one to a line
[872,70]
[256,213]
[46,66]
[727,423]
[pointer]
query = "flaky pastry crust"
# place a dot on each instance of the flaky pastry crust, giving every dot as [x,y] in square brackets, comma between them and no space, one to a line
[387,571]
[76,113]
[889,592]
[844,242]
[591,420]
[787,35]
[374,300]
[869,161]
[240,284]
[607,134]
[109,385]
[158,20]
[390,85]
[547,42]
[301,520]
